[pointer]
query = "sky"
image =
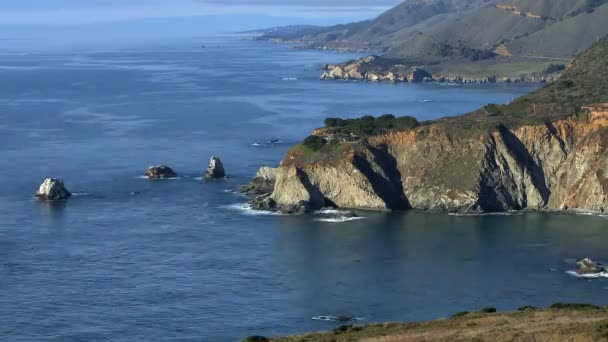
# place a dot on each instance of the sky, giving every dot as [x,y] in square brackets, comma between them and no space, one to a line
[28,17]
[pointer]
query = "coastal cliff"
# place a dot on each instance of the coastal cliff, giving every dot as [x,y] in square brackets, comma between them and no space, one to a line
[560,165]
[376,69]
[544,151]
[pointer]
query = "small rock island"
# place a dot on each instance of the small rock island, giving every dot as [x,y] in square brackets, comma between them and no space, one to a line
[53,189]
[160,172]
[215,169]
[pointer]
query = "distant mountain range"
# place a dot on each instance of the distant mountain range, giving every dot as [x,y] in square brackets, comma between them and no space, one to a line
[446,33]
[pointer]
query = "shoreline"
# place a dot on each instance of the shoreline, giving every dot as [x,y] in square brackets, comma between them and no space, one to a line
[580,322]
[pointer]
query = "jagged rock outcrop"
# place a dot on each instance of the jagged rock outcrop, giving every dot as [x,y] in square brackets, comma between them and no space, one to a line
[52,189]
[560,165]
[262,183]
[160,172]
[365,69]
[215,169]
[588,266]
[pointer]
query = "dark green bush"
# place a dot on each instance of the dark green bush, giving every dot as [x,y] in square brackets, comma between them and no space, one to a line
[460,314]
[367,125]
[526,308]
[488,310]
[314,142]
[552,68]
[334,122]
[342,329]
[256,339]
[574,306]
[405,123]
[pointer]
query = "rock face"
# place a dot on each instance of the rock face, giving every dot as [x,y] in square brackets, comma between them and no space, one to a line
[262,183]
[215,169]
[588,266]
[160,172]
[364,69]
[52,189]
[559,165]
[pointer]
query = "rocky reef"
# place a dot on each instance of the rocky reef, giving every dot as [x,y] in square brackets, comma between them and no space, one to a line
[160,172]
[367,69]
[215,169]
[556,165]
[53,189]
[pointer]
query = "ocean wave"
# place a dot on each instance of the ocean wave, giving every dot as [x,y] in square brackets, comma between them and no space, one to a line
[336,216]
[506,213]
[170,178]
[331,318]
[329,211]
[589,275]
[80,194]
[425,101]
[289,78]
[339,219]
[246,209]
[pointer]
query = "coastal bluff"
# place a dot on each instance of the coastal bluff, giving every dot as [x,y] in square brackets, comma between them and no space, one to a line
[547,150]
[554,166]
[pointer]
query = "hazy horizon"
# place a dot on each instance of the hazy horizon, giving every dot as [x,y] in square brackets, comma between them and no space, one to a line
[66,21]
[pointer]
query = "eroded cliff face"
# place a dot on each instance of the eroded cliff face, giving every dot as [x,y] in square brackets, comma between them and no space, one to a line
[560,165]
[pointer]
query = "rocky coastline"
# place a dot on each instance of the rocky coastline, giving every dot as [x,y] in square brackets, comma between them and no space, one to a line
[364,70]
[555,166]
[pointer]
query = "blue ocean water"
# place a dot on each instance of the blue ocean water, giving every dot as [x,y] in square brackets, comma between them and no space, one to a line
[127,259]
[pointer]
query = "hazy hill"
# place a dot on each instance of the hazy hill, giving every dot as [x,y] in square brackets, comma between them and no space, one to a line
[442,32]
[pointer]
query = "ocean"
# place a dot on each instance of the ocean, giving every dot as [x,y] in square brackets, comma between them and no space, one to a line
[128,259]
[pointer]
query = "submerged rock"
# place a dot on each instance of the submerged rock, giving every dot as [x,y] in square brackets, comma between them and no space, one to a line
[588,266]
[215,169]
[160,172]
[52,189]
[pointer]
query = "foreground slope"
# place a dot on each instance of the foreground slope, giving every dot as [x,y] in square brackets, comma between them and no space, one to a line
[582,324]
[545,151]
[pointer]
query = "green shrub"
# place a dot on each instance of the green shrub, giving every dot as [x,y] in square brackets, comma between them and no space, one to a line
[526,308]
[493,109]
[314,142]
[488,310]
[256,339]
[574,306]
[342,329]
[334,122]
[553,68]
[460,314]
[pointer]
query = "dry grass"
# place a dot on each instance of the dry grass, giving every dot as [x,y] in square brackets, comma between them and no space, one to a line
[575,325]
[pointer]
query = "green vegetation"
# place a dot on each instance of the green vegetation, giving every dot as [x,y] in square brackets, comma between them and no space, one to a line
[346,328]
[472,54]
[314,142]
[368,125]
[488,310]
[574,306]
[526,308]
[537,325]
[256,339]
[460,314]
[553,68]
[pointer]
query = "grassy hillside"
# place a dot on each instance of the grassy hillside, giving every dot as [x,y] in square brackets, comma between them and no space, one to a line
[432,32]
[559,323]
[584,82]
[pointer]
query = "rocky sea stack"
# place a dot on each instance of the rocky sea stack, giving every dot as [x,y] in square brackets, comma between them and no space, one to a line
[52,189]
[160,172]
[215,169]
